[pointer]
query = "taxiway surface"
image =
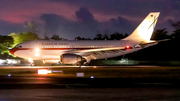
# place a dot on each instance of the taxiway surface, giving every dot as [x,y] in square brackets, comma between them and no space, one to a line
[97,83]
[91,75]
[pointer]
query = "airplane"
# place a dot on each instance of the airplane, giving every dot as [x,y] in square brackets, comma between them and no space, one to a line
[82,52]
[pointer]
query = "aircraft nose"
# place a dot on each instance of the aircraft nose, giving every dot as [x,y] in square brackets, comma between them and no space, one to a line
[13,50]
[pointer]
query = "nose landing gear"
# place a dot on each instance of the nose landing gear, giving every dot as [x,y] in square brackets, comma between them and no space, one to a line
[31,62]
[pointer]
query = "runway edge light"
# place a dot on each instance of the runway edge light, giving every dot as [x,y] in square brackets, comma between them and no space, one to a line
[44,71]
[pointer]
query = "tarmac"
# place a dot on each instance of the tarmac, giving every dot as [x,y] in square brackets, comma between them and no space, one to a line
[93,83]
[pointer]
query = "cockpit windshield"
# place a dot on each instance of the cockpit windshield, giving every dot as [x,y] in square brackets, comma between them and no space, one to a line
[18,46]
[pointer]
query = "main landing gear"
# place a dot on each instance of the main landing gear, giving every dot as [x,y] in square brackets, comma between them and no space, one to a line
[32,64]
[80,63]
[83,63]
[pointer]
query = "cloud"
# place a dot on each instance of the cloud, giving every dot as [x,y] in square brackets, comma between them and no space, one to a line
[52,22]
[20,11]
[85,17]
[84,26]
[132,10]
[7,28]
[72,18]
[121,23]
[171,22]
[56,24]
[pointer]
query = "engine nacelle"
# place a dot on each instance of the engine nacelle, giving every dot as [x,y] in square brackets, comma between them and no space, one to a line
[70,58]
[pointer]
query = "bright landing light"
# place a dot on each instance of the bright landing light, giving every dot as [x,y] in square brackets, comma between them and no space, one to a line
[37,54]
[30,60]
[37,49]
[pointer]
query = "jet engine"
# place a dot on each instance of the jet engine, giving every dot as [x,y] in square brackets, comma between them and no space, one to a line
[70,59]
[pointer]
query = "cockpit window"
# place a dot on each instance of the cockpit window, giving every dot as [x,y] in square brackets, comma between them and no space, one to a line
[18,46]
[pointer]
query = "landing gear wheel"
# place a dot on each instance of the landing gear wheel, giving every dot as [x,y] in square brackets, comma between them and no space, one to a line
[79,64]
[32,64]
[88,64]
[80,67]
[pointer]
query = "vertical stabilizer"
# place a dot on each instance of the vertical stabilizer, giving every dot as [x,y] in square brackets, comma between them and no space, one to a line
[144,31]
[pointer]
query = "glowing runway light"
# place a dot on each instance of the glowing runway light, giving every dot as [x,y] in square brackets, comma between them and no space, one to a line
[79,74]
[42,71]
[9,75]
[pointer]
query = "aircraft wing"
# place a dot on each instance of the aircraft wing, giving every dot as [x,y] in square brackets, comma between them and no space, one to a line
[94,53]
[95,50]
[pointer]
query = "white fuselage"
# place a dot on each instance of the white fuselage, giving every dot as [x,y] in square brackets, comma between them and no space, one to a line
[47,50]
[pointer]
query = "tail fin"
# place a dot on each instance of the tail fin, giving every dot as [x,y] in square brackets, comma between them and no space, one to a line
[144,31]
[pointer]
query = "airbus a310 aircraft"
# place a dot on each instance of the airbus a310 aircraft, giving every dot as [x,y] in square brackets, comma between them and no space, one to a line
[82,52]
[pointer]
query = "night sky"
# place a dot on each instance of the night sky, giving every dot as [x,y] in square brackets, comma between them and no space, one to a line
[85,18]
